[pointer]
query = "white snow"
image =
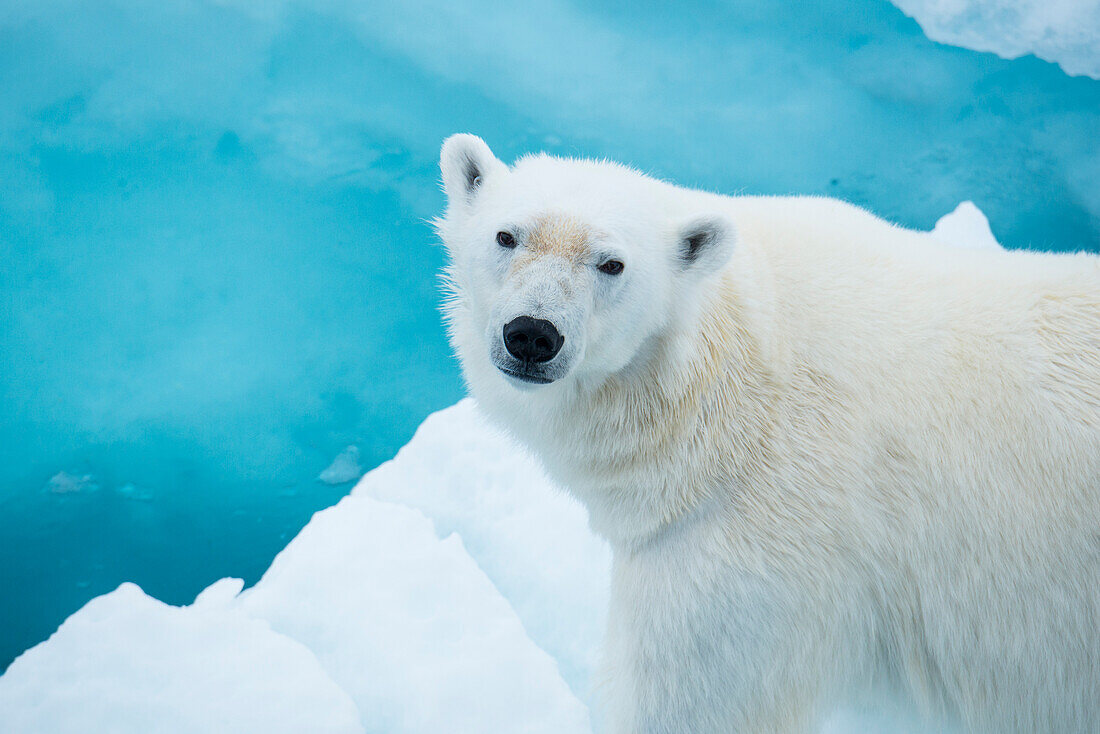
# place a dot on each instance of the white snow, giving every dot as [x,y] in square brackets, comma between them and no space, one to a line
[528,536]
[966,227]
[344,468]
[410,626]
[455,589]
[127,663]
[1064,31]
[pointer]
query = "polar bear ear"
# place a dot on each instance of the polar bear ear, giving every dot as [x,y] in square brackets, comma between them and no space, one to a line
[705,243]
[466,162]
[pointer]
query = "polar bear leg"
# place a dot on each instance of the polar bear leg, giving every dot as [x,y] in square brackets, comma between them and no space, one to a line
[740,665]
[662,703]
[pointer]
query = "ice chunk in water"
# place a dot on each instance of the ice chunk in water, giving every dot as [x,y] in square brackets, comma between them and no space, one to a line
[1064,31]
[966,227]
[344,468]
[65,483]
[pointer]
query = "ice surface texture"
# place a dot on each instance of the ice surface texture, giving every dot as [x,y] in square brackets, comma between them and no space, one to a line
[1064,31]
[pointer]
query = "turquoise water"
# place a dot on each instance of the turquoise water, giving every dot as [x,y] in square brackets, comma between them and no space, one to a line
[216,271]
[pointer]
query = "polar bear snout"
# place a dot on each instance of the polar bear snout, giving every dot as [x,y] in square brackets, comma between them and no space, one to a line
[532,340]
[525,350]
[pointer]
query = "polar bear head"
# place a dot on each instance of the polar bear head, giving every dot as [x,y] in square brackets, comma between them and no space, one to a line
[563,271]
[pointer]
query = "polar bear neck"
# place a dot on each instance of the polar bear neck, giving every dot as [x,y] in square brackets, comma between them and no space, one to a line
[638,448]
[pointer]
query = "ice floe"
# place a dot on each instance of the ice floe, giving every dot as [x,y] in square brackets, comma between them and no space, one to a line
[1064,31]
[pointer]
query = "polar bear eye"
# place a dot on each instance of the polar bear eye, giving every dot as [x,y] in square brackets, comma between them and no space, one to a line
[505,239]
[611,267]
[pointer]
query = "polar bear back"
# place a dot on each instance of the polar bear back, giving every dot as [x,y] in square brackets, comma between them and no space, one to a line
[882,308]
[941,409]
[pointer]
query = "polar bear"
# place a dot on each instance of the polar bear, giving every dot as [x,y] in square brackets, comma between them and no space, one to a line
[834,458]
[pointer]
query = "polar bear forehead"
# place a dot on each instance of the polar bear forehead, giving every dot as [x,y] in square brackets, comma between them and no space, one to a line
[560,234]
[575,208]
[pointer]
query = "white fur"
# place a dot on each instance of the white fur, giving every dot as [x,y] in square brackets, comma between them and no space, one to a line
[833,456]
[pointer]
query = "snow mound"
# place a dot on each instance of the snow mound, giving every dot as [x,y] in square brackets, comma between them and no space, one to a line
[1063,31]
[966,227]
[528,536]
[411,627]
[129,663]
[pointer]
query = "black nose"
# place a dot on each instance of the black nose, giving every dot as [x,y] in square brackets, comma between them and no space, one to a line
[532,340]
